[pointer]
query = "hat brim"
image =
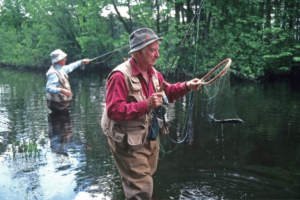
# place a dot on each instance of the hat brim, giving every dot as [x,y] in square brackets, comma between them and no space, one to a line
[60,57]
[144,44]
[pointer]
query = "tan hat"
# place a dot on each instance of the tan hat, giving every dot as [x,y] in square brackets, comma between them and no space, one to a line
[57,55]
[141,38]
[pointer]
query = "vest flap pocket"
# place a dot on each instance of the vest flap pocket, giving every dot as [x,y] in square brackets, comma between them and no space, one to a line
[118,137]
[135,135]
[135,84]
[134,140]
[63,96]
[118,133]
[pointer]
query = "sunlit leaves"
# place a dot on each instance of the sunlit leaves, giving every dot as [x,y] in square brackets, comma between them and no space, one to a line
[283,54]
[297,59]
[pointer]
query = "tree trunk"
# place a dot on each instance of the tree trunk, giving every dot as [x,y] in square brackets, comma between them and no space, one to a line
[126,25]
[178,7]
[158,16]
[189,11]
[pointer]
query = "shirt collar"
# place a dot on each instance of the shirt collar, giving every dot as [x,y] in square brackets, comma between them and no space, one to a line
[136,70]
[57,66]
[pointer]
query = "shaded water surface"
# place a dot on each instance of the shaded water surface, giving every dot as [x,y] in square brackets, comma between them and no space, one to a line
[45,156]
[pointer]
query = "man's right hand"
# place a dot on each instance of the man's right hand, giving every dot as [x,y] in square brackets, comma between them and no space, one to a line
[65,92]
[86,61]
[154,100]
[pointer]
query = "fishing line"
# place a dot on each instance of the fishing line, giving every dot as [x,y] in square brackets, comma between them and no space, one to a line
[189,123]
[188,117]
[103,60]
[191,102]
[198,12]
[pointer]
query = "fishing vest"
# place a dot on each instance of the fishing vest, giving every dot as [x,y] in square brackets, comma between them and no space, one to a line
[135,130]
[64,83]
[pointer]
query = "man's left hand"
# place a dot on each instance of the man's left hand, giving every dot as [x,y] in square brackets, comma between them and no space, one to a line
[193,84]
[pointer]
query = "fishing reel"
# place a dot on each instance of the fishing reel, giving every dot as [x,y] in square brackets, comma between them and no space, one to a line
[82,66]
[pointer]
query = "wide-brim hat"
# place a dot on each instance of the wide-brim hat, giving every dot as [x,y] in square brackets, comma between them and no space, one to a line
[141,38]
[57,55]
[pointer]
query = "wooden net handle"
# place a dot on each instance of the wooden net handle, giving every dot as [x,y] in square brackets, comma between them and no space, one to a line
[214,69]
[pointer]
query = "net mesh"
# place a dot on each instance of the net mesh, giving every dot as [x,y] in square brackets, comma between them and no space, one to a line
[219,106]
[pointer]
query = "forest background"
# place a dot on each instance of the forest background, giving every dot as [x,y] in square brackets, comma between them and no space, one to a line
[260,36]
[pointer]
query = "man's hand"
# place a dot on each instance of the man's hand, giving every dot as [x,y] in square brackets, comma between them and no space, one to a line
[154,100]
[86,61]
[65,92]
[193,84]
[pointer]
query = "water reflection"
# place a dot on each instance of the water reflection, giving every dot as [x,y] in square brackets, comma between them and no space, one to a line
[255,160]
[60,132]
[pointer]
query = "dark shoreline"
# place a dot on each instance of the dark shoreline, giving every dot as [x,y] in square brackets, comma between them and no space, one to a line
[293,77]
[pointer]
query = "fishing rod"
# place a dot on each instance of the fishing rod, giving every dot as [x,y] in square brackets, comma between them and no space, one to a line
[183,40]
[82,66]
[111,52]
[121,48]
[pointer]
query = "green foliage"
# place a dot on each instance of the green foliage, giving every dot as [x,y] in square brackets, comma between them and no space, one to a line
[297,59]
[26,149]
[260,37]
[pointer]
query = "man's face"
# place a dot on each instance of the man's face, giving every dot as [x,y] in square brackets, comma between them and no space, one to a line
[150,54]
[62,62]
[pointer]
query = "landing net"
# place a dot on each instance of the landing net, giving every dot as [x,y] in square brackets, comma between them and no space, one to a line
[217,89]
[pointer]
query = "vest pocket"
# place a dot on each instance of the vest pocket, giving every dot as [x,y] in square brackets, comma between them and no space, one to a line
[135,137]
[118,135]
[134,141]
[118,138]
[135,84]
[63,97]
[129,137]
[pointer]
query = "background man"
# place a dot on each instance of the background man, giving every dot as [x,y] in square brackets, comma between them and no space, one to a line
[132,92]
[58,88]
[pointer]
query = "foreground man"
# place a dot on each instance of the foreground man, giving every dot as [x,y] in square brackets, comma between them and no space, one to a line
[132,92]
[58,88]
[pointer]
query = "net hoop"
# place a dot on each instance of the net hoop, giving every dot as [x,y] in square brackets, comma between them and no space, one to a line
[214,69]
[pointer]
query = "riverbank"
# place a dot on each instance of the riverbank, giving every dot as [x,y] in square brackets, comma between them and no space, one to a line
[293,75]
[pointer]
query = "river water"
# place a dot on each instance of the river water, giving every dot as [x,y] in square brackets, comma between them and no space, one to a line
[45,156]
